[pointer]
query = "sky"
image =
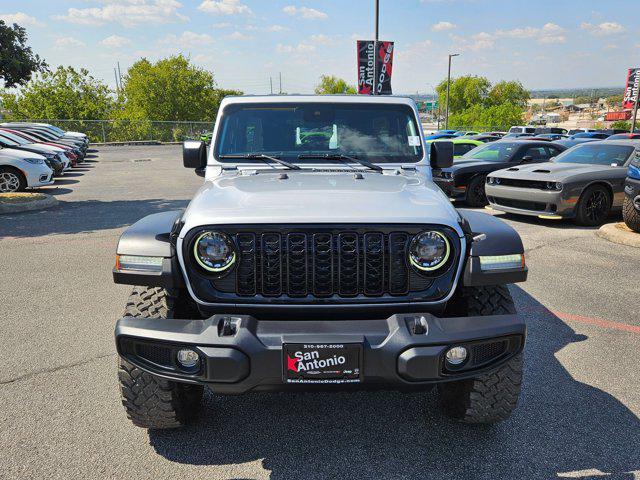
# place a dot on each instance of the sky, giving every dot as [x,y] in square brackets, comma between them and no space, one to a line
[543,43]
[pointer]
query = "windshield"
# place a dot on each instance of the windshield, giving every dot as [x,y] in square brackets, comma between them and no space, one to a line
[379,133]
[493,152]
[596,154]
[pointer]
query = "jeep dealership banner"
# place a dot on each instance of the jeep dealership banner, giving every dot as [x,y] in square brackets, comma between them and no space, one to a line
[375,63]
[631,90]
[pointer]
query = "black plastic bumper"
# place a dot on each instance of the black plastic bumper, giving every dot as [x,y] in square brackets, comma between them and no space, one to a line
[240,353]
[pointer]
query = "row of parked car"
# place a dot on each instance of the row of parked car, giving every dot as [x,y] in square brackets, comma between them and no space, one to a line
[585,176]
[32,154]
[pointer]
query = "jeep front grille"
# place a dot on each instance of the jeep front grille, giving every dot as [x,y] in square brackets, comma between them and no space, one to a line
[322,264]
[284,264]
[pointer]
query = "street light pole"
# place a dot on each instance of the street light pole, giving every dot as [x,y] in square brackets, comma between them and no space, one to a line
[377,17]
[446,115]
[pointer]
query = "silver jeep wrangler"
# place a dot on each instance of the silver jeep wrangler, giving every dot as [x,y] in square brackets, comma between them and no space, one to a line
[318,254]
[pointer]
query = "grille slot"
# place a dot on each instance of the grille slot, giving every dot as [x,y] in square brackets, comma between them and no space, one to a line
[271,264]
[485,352]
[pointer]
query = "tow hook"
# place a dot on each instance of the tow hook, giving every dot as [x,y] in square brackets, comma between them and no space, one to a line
[228,326]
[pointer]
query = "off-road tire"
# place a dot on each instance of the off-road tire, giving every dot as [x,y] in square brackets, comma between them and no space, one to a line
[476,196]
[630,215]
[599,215]
[150,401]
[491,397]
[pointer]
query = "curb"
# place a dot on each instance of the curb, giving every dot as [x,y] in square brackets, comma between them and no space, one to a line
[47,202]
[619,233]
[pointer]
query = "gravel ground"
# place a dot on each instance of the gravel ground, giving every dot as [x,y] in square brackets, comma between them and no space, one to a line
[61,415]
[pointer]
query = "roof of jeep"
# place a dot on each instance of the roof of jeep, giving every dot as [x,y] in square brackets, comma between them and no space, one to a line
[319,99]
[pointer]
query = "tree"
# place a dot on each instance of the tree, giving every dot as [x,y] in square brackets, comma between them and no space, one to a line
[621,125]
[614,101]
[582,99]
[170,89]
[17,61]
[509,92]
[65,93]
[330,84]
[464,92]
[494,117]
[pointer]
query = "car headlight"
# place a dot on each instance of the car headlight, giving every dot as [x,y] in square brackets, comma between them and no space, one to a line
[554,186]
[429,251]
[214,251]
[35,161]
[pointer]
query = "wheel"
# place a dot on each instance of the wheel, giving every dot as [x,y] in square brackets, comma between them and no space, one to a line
[11,180]
[476,196]
[150,401]
[631,213]
[491,397]
[593,207]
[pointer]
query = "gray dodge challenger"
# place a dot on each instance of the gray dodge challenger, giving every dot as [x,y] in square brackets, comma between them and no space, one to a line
[585,183]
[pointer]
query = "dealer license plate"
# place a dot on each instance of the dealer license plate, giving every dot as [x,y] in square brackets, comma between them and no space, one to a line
[322,362]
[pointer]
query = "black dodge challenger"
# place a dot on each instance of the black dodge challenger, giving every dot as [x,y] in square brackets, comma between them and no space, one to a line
[465,180]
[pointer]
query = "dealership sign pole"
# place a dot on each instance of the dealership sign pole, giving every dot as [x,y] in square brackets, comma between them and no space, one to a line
[630,99]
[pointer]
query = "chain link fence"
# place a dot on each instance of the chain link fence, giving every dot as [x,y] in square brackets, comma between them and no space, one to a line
[130,130]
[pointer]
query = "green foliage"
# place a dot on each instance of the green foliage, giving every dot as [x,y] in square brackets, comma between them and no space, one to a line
[475,103]
[496,116]
[170,89]
[465,92]
[614,101]
[330,84]
[17,61]
[582,99]
[63,93]
[509,92]
[622,125]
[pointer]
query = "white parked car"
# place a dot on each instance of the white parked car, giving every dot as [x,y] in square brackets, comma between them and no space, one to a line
[20,170]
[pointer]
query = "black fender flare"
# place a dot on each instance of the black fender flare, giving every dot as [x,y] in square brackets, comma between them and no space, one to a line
[151,236]
[490,236]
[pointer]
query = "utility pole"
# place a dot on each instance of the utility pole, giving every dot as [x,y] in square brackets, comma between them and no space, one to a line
[446,115]
[377,17]
[271,84]
[280,75]
[115,75]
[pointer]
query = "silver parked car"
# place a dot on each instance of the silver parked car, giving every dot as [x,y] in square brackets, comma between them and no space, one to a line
[585,183]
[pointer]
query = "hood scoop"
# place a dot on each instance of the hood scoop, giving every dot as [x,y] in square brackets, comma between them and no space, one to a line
[541,171]
[513,169]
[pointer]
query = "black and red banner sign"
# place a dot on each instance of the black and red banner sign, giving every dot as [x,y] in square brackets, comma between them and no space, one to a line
[375,63]
[631,90]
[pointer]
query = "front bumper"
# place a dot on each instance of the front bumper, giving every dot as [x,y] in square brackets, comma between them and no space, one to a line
[454,192]
[632,190]
[525,201]
[240,353]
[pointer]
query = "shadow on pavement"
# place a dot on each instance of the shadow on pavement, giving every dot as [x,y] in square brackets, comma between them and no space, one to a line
[82,216]
[562,427]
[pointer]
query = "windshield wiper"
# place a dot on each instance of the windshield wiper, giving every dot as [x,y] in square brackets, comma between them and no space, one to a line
[340,156]
[260,156]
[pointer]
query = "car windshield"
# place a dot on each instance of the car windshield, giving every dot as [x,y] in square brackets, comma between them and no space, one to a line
[493,152]
[380,133]
[596,154]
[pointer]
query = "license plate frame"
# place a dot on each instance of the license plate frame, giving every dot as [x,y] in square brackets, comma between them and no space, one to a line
[322,363]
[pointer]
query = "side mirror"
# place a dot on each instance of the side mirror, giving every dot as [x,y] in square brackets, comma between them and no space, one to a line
[194,154]
[441,154]
[527,159]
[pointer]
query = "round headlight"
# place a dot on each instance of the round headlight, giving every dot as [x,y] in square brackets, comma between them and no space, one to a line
[214,251]
[429,251]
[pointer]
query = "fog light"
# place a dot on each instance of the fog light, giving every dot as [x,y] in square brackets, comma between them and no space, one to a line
[456,355]
[187,358]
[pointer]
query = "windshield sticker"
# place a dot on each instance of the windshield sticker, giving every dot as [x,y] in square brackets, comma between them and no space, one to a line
[414,140]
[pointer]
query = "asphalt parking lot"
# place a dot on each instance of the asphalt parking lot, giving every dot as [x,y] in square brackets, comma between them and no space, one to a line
[61,415]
